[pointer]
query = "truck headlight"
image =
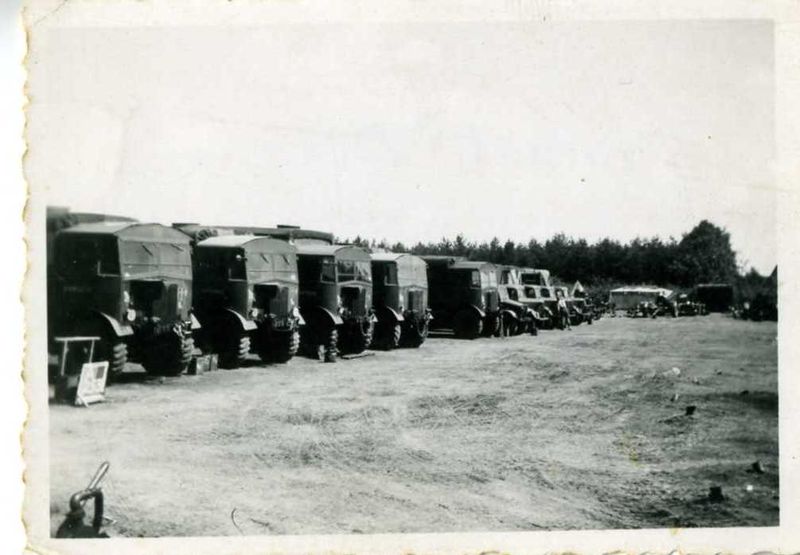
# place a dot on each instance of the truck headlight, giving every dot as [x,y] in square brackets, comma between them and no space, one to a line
[130,315]
[296,312]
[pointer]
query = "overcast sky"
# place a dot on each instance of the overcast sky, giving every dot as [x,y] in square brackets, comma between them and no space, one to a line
[417,131]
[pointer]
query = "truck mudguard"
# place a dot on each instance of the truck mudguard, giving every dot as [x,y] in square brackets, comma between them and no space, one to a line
[120,330]
[246,324]
[324,314]
[481,313]
[509,313]
[390,314]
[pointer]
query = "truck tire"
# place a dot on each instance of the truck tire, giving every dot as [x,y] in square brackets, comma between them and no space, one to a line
[118,358]
[387,336]
[279,346]
[169,355]
[234,350]
[359,337]
[320,344]
[330,348]
[508,327]
[415,333]
[491,328]
[109,348]
[467,325]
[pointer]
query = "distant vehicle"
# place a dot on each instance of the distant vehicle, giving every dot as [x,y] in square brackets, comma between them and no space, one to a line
[464,296]
[716,297]
[584,304]
[400,298]
[518,312]
[547,304]
[574,306]
[335,299]
[131,285]
[246,298]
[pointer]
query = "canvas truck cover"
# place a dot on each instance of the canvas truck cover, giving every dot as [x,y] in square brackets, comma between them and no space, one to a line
[267,258]
[145,250]
[286,233]
[411,270]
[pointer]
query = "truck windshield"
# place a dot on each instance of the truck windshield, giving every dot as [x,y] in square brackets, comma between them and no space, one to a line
[82,256]
[264,262]
[220,264]
[389,274]
[532,279]
[358,270]
[315,269]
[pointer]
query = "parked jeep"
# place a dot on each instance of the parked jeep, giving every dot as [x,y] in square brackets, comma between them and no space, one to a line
[400,299]
[246,298]
[335,299]
[463,295]
[131,285]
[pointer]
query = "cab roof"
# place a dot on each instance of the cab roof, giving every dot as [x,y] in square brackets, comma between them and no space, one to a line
[472,265]
[251,243]
[331,250]
[130,231]
[394,256]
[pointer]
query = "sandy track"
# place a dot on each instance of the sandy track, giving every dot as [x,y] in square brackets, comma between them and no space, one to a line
[566,430]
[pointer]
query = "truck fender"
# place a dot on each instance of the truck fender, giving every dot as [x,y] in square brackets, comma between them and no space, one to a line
[509,313]
[195,322]
[120,330]
[390,314]
[247,325]
[323,314]
[481,313]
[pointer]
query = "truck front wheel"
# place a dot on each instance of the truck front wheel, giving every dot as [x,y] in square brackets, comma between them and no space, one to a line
[468,325]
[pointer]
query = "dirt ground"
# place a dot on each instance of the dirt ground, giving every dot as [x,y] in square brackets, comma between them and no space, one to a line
[566,430]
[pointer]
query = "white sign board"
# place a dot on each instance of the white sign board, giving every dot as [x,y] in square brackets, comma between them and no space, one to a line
[92,383]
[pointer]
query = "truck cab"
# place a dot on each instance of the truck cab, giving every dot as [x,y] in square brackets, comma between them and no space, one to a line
[335,298]
[400,299]
[246,295]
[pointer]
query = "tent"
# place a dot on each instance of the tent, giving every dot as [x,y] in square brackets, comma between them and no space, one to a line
[624,298]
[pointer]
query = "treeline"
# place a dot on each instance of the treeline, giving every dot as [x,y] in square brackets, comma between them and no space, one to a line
[703,255]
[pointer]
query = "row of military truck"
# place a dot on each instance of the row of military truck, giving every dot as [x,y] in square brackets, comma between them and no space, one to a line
[153,294]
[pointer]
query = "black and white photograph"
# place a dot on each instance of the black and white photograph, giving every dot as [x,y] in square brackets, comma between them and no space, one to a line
[410,277]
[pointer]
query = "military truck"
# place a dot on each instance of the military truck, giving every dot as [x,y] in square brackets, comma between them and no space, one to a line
[463,295]
[400,299]
[518,313]
[131,285]
[574,307]
[335,299]
[545,303]
[58,218]
[246,298]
